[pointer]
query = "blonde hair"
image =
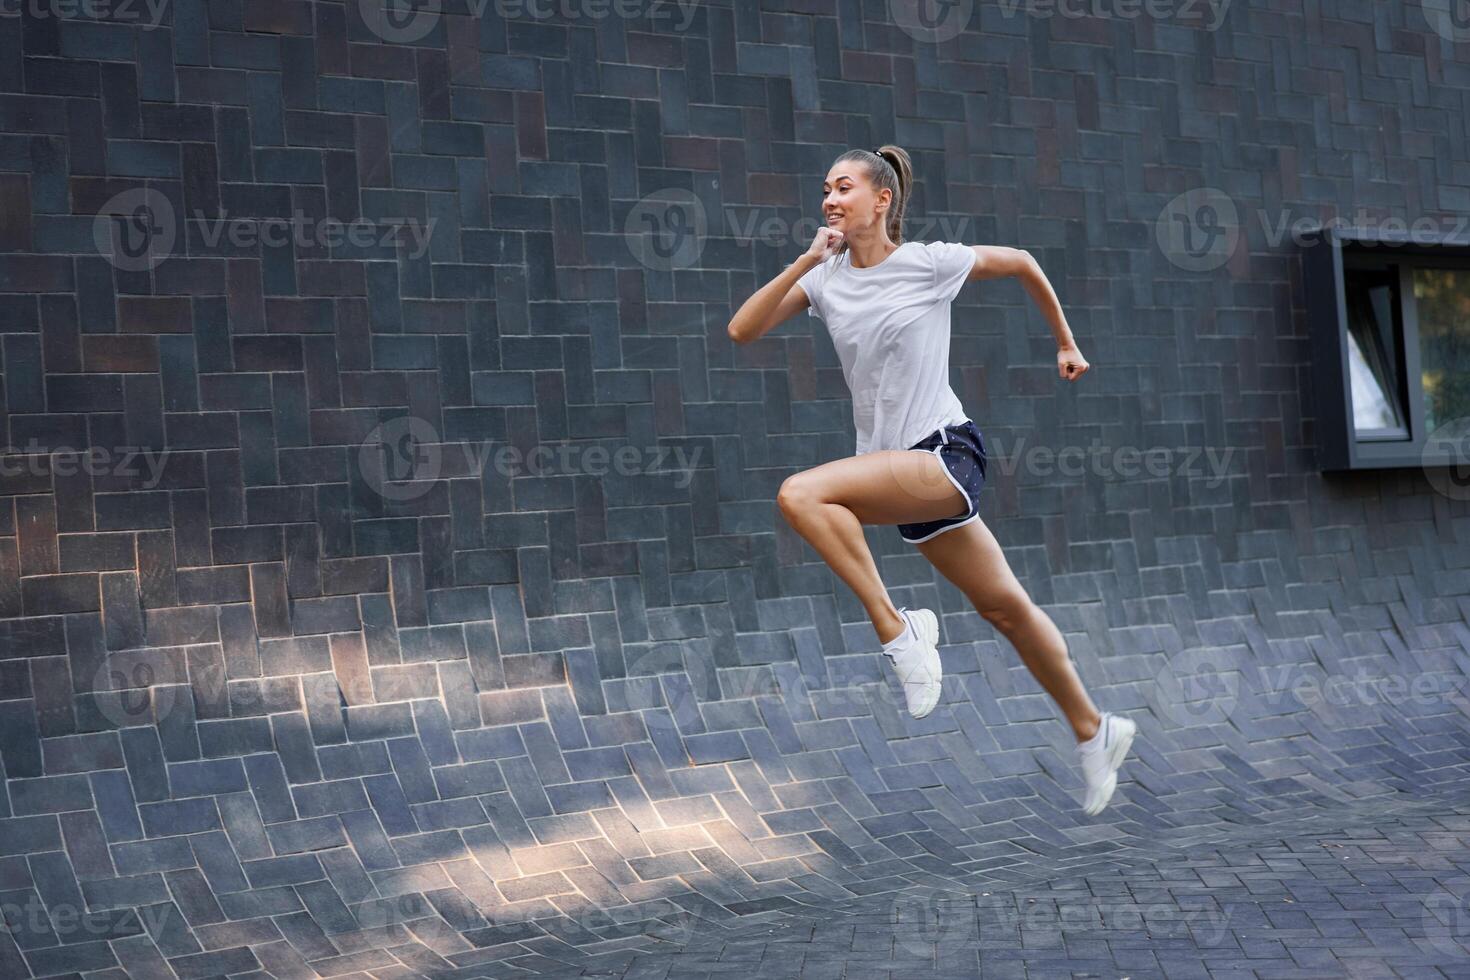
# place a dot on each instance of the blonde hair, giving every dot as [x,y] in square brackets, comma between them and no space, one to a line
[888,166]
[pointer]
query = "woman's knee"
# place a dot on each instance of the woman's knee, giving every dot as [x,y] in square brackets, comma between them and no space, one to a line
[1007,611]
[798,492]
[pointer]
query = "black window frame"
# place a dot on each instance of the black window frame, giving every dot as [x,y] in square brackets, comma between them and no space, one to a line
[1330,255]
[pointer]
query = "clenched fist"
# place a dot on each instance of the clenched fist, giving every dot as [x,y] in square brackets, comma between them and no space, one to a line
[1071,364]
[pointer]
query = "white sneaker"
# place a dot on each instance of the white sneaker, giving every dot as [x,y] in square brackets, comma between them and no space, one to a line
[917,663]
[1101,758]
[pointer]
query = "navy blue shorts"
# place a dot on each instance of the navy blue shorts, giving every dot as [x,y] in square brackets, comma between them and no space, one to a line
[962,451]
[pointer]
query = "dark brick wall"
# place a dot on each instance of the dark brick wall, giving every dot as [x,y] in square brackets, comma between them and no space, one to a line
[263,703]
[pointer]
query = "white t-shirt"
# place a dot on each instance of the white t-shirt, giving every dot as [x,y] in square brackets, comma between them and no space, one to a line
[889,324]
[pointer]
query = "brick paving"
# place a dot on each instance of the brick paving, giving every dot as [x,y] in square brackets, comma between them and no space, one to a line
[1368,890]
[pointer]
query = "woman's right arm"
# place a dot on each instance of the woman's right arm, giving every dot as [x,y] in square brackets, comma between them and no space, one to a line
[781,298]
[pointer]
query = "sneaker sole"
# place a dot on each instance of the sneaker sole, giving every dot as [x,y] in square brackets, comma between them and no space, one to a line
[928,625]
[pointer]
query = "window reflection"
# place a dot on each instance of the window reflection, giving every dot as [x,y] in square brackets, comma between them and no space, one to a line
[1443,299]
[1373,358]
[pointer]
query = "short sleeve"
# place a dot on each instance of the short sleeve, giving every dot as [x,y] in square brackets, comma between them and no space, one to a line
[952,264]
[811,284]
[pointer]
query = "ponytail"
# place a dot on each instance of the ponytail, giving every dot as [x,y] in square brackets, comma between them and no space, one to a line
[888,166]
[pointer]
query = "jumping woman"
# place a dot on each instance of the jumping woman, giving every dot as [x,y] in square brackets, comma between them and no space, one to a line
[920,461]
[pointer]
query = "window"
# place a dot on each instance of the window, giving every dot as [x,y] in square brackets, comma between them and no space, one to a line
[1390,322]
[1374,367]
[1443,299]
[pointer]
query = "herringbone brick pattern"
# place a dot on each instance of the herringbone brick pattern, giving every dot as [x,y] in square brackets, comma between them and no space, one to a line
[272,705]
[1368,890]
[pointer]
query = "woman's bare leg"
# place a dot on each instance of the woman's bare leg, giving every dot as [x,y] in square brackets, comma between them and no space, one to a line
[829,504]
[970,557]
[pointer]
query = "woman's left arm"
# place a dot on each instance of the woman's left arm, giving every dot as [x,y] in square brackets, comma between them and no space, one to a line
[999,261]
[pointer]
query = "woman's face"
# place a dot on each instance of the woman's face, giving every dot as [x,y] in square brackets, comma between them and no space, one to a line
[849,202]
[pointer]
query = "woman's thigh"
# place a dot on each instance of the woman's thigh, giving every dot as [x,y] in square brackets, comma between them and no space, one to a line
[971,558]
[890,487]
